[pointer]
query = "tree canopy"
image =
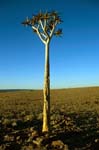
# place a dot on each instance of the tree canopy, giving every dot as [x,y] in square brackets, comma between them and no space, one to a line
[44,25]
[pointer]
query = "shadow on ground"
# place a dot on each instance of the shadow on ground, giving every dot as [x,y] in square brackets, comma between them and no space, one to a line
[79,131]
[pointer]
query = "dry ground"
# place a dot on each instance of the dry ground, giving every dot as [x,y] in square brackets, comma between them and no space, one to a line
[74,119]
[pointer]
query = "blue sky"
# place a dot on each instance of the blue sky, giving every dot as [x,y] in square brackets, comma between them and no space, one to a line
[74,58]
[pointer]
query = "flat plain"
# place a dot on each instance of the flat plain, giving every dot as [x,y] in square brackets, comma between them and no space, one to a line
[74,119]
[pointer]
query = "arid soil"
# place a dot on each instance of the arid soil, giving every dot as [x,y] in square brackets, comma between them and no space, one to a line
[74,120]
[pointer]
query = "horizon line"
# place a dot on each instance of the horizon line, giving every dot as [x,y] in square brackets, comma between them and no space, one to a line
[50,88]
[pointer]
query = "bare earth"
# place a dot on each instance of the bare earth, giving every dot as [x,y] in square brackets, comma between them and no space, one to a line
[74,120]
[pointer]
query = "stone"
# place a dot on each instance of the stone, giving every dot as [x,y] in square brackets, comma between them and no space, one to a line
[59,145]
[38,141]
[34,134]
[95,145]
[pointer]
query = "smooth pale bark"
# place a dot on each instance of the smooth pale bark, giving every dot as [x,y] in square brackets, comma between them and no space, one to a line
[44,26]
[46,107]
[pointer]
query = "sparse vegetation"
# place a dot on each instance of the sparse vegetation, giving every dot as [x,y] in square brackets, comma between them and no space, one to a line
[74,120]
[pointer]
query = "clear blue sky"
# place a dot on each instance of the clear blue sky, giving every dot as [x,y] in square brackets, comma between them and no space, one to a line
[74,57]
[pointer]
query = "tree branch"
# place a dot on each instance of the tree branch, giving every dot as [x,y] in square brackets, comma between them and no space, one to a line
[38,33]
[43,35]
[40,36]
[52,31]
[44,24]
[41,25]
[34,28]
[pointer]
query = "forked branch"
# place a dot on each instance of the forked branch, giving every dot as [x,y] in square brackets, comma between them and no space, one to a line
[44,25]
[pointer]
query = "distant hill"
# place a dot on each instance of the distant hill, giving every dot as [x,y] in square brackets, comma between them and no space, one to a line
[14,90]
[69,88]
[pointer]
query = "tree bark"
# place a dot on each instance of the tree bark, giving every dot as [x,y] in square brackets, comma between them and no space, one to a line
[46,91]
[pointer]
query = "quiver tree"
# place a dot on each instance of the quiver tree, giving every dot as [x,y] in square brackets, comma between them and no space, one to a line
[44,25]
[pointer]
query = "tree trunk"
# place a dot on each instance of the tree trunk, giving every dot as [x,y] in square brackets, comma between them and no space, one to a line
[46,107]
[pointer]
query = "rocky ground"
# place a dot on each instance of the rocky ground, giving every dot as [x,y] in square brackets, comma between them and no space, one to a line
[74,122]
